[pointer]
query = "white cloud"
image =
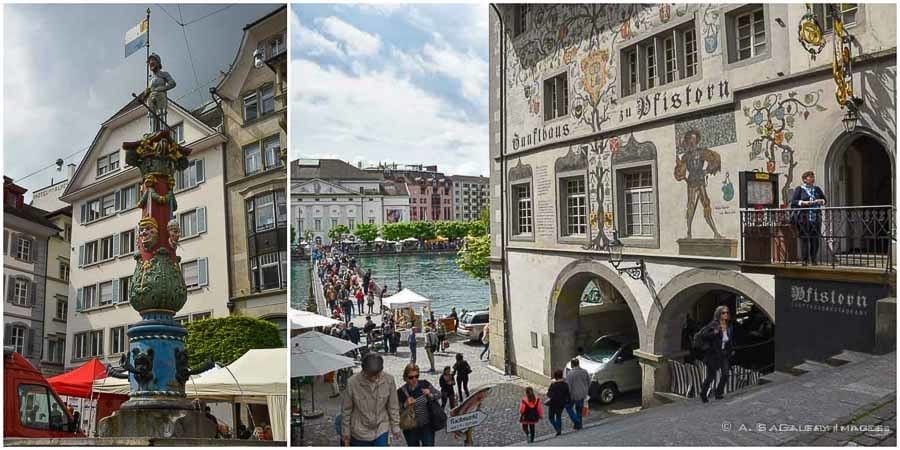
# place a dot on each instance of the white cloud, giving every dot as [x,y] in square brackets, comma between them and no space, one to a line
[468,69]
[355,41]
[311,42]
[380,115]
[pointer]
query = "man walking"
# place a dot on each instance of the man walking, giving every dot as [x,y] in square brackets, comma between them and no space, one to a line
[579,382]
[412,345]
[431,346]
[369,407]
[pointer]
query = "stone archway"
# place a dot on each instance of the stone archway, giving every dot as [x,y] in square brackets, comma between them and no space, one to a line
[564,327]
[675,297]
[859,170]
[665,322]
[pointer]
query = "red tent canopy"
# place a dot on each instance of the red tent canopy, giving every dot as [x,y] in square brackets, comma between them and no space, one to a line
[78,382]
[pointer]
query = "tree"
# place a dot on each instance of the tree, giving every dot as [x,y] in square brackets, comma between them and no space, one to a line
[225,339]
[423,230]
[366,232]
[397,231]
[337,233]
[472,258]
[452,230]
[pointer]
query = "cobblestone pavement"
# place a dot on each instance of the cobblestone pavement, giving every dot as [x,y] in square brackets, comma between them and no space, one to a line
[858,393]
[499,429]
[871,425]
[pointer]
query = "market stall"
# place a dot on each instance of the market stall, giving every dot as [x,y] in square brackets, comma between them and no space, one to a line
[408,309]
[76,386]
[257,377]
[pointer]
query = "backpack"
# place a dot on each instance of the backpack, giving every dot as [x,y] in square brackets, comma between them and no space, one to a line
[531,412]
[698,342]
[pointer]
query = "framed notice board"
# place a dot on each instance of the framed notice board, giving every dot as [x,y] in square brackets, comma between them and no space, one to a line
[759,189]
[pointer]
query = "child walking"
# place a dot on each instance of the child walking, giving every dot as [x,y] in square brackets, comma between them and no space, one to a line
[530,413]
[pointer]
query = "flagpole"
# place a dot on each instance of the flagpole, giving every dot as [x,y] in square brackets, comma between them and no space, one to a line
[147,78]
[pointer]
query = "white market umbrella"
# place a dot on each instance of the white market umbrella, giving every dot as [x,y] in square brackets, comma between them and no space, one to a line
[313,340]
[380,239]
[405,299]
[305,319]
[312,363]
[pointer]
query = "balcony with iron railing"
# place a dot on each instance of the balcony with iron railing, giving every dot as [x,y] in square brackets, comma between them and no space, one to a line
[848,237]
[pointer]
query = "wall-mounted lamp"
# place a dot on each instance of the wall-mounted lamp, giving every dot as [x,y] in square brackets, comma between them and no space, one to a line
[779,22]
[636,272]
[852,117]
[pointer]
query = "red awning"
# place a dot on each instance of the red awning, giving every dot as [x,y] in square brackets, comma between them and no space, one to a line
[78,382]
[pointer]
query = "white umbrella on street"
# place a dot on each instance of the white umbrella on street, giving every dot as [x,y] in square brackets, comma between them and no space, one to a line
[312,363]
[305,319]
[313,340]
[380,239]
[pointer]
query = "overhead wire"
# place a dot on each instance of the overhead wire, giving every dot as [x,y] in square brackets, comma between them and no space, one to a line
[51,165]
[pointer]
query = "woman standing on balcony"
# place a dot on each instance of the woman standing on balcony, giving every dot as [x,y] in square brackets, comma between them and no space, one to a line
[809,223]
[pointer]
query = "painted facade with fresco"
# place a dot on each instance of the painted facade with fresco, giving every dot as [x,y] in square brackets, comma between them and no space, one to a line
[638,120]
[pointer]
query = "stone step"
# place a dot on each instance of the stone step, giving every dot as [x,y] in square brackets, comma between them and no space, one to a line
[776,377]
[811,366]
[847,356]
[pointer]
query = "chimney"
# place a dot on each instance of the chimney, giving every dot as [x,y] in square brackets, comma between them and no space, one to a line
[71,171]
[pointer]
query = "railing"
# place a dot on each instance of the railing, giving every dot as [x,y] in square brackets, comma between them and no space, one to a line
[852,236]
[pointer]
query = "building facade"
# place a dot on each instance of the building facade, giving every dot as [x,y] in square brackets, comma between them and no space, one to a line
[59,249]
[253,100]
[636,122]
[26,232]
[103,194]
[326,193]
[470,196]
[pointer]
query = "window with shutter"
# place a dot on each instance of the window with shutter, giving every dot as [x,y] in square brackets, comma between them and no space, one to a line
[79,300]
[10,289]
[204,277]
[81,255]
[198,167]
[201,220]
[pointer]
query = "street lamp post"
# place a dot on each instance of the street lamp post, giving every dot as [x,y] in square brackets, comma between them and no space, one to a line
[636,272]
[399,283]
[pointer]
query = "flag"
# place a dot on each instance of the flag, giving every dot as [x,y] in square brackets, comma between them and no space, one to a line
[136,37]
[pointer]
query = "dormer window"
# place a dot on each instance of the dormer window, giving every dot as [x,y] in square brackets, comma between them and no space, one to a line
[108,163]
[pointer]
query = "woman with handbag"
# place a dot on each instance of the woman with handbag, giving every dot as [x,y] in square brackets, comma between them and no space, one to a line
[415,417]
[530,413]
[447,382]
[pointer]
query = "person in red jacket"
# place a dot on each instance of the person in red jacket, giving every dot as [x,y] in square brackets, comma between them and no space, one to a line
[530,413]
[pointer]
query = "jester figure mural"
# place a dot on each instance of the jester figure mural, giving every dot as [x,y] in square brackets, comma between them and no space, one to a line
[156,363]
[693,165]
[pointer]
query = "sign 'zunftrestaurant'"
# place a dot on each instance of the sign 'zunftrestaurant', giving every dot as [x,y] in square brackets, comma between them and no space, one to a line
[816,319]
[649,105]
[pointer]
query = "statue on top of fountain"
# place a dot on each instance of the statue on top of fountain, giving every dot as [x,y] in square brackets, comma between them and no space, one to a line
[155,94]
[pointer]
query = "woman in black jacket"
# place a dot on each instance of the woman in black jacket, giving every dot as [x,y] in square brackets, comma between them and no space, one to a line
[557,399]
[719,335]
[809,220]
[416,393]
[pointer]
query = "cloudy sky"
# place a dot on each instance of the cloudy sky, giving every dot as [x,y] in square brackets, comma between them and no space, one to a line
[392,83]
[65,71]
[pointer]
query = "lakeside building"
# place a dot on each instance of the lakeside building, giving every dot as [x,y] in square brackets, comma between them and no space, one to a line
[470,196]
[326,193]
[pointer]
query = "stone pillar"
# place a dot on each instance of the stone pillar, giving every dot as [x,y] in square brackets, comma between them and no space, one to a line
[886,325]
[655,377]
[497,316]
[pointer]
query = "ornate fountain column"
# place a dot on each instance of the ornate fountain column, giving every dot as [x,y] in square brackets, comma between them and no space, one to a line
[156,364]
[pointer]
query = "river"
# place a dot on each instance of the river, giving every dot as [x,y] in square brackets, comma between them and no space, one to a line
[435,276]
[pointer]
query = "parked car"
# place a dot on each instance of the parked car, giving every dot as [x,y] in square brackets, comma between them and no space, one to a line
[612,366]
[472,324]
[31,408]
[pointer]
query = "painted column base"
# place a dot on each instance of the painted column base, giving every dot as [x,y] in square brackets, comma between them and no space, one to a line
[157,423]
